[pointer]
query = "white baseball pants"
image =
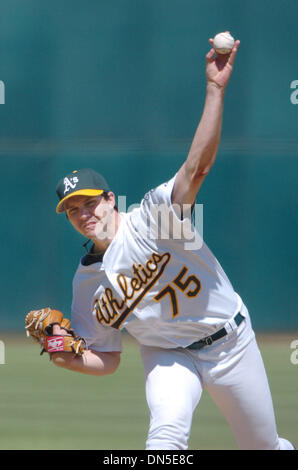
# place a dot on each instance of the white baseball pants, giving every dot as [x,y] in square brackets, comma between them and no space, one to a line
[231,370]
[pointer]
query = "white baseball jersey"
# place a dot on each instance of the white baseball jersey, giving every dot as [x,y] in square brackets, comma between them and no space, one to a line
[157,279]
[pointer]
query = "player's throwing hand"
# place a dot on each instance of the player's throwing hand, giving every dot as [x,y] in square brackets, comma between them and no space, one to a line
[219,66]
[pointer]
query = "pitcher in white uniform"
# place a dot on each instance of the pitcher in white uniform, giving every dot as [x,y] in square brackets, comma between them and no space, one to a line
[150,272]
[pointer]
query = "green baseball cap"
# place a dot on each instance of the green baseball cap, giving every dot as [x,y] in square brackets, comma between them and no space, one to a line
[84,182]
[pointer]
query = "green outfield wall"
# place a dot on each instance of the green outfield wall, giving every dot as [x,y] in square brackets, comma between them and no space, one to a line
[119,86]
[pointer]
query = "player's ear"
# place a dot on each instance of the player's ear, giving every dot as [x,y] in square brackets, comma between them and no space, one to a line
[110,196]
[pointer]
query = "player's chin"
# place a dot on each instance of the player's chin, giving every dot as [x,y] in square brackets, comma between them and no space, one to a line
[85,233]
[96,231]
[89,229]
[89,233]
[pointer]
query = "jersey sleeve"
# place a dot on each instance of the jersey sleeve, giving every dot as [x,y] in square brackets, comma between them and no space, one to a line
[98,337]
[165,220]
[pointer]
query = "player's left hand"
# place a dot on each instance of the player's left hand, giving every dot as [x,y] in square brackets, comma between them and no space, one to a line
[219,66]
[52,331]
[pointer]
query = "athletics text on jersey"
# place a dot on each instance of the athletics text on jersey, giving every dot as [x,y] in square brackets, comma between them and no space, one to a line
[149,284]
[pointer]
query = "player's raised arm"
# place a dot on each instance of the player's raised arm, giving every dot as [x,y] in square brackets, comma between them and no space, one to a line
[204,146]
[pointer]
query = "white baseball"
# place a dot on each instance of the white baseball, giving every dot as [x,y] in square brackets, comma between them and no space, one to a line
[223,43]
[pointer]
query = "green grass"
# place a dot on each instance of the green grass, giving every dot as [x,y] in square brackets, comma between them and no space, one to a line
[45,407]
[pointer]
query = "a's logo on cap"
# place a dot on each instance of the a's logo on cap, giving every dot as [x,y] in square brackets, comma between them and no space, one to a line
[70,183]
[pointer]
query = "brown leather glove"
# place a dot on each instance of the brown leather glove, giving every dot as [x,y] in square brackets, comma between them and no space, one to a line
[39,325]
[66,343]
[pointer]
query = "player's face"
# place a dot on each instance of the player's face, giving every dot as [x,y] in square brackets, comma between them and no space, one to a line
[91,216]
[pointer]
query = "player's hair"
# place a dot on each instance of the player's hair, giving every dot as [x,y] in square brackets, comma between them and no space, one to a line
[106,197]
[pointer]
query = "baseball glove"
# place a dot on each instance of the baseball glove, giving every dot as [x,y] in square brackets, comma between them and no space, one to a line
[39,325]
[66,343]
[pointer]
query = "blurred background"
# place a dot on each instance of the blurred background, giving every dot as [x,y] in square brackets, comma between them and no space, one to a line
[119,86]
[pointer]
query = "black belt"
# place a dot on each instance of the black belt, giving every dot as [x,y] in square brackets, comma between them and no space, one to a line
[219,334]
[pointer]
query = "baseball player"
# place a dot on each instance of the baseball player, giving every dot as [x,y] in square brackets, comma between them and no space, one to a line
[149,272]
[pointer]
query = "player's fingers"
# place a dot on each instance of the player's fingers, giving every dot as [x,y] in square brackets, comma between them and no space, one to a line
[57,330]
[234,52]
[210,55]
